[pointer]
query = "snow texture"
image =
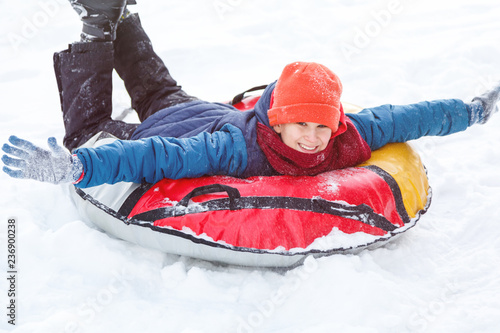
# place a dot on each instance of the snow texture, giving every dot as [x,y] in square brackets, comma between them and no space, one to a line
[443,275]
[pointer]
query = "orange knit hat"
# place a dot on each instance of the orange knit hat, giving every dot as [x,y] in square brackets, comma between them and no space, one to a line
[306,92]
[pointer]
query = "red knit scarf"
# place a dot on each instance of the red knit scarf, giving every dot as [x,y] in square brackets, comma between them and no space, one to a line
[342,151]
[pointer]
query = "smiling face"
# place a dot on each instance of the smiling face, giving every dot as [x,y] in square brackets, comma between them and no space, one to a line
[305,137]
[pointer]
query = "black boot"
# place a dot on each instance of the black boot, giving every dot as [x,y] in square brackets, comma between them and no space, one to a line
[100,17]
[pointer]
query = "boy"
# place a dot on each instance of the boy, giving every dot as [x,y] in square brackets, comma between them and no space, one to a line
[297,127]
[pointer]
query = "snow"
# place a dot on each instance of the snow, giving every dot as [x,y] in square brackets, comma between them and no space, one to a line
[440,276]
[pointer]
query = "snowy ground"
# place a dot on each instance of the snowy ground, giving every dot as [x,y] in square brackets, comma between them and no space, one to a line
[441,276]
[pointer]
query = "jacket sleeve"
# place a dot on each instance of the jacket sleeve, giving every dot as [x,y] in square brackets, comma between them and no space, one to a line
[400,123]
[155,158]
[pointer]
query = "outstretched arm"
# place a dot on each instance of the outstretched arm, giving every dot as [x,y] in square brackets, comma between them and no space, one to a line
[400,123]
[152,159]
[145,160]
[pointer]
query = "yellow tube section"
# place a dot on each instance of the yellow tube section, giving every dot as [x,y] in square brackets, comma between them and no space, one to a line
[405,166]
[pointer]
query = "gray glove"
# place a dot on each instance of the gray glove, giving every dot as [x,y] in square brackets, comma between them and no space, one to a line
[54,166]
[484,106]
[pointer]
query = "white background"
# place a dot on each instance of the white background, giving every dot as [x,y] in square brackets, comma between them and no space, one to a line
[441,276]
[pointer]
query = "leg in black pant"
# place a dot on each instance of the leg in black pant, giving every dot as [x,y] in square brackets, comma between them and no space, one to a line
[84,78]
[146,77]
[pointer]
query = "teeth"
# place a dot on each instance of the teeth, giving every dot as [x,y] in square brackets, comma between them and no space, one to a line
[306,147]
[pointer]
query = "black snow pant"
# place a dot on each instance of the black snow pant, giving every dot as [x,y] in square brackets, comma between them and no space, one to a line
[84,78]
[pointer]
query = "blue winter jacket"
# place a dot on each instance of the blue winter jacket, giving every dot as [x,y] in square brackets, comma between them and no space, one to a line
[202,138]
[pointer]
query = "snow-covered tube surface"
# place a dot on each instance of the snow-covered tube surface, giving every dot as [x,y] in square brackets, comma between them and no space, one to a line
[266,221]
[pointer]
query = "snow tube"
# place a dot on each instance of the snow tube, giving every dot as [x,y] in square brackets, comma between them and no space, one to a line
[266,221]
